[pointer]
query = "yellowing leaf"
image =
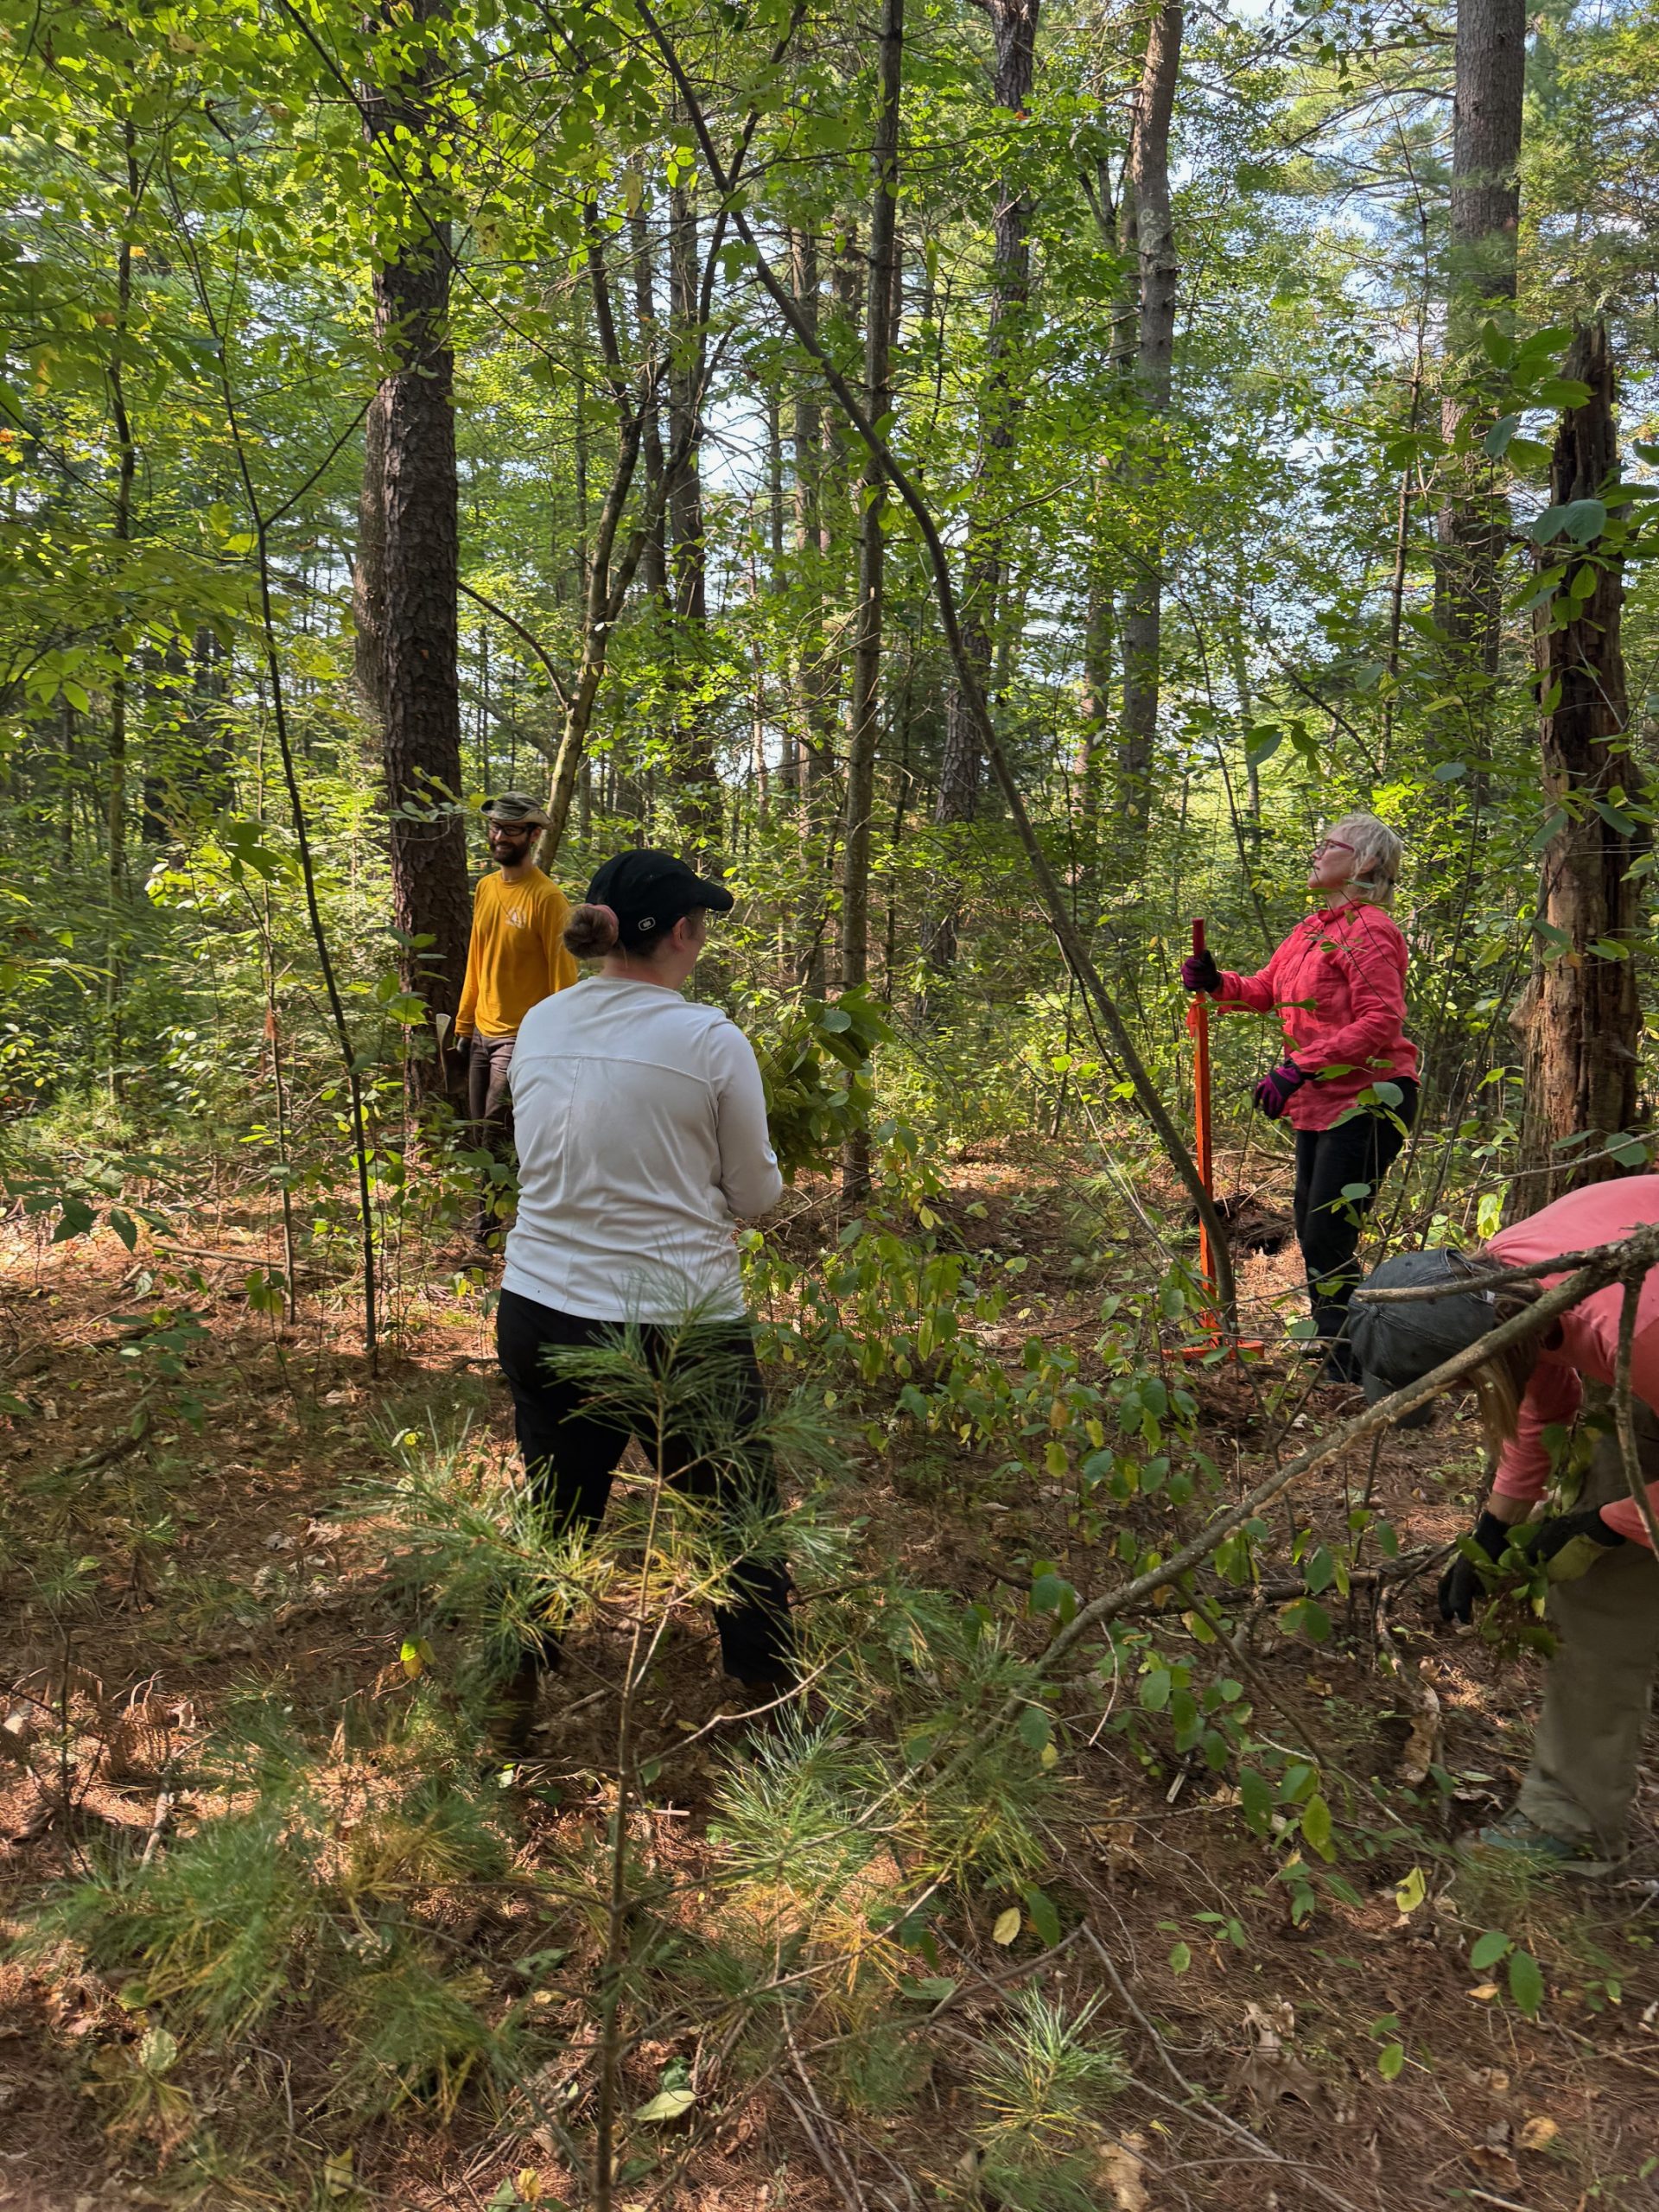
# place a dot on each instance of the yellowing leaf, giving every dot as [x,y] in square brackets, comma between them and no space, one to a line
[668,2104]
[1538,2133]
[1485,1991]
[1050,1757]
[337,2176]
[1007,1925]
[1410,1893]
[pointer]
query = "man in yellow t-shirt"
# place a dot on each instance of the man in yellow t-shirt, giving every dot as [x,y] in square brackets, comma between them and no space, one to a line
[515,958]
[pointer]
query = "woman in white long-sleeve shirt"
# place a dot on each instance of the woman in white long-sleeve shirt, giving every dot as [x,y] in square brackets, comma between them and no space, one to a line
[642,1140]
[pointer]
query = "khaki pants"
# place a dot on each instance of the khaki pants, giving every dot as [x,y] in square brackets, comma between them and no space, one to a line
[1596,1696]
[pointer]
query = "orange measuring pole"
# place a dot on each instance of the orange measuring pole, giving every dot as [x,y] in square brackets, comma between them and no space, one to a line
[1201,1110]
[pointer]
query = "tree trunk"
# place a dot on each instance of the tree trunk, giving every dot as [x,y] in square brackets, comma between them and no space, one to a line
[1154,354]
[815,744]
[698,780]
[865,710]
[1581,1018]
[1485,213]
[416,592]
[1013,29]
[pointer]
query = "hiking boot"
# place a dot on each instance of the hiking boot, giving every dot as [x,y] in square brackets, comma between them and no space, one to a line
[1521,1841]
[512,1711]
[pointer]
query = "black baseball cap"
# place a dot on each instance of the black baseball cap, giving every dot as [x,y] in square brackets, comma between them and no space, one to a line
[649,891]
[1398,1344]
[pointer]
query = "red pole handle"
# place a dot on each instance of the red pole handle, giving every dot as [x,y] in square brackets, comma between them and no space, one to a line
[1197,935]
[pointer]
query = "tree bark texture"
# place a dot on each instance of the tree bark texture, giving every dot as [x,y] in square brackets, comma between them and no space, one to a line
[699,782]
[1485,213]
[816,675]
[1581,1018]
[1013,30]
[416,592]
[864,714]
[1159,272]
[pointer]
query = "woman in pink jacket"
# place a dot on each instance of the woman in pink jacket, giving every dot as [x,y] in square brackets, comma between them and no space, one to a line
[1337,984]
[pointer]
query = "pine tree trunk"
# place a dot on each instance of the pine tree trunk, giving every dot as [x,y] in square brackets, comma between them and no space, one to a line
[1581,1018]
[1013,28]
[414,505]
[865,711]
[1485,213]
[699,783]
[1154,352]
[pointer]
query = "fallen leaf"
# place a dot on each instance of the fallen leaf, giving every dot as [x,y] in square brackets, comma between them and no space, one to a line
[1423,1741]
[1484,1990]
[1538,2133]
[1269,2072]
[1496,2165]
[668,2104]
[1007,1925]
[1120,2166]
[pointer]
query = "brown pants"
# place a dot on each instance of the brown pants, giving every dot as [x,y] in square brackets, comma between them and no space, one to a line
[489,1104]
[1588,1743]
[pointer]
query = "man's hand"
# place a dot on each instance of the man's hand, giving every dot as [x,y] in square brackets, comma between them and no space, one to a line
[1199,972]
[1272,1094]
[1566,1545]
[460,1045]
[1463,1583]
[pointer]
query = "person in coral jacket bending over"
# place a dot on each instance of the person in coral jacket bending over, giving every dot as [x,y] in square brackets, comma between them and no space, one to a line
[1604,1600]
[1337,984]
[515,958]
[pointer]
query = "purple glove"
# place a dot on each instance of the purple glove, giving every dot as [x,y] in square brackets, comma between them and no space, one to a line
[1273,1093]
[1199,972]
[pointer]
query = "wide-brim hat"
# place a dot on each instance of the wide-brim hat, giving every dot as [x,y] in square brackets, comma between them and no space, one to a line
[517,810]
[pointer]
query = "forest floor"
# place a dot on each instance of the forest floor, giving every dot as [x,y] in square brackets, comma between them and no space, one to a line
[211,1561]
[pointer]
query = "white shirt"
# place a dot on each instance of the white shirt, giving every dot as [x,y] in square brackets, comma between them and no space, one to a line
[641,1126]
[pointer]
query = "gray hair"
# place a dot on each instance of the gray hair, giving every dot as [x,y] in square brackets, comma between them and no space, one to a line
[1376,852]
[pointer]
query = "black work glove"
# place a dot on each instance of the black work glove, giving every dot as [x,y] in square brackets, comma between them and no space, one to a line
[1462,1583]
[1567,1545]
[460,1048]
[1199,972]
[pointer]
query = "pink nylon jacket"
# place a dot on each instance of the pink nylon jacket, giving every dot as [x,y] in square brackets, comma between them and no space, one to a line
[1337,984]
[1585,1341]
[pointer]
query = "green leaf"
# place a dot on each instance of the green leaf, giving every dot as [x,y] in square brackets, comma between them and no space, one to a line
[1488,1950]
[1526,1982]
[1496,439]
[1180,1958]
[1389,2060]
[1317,1827]
[1034,1728]
[1256,1799]
[1043,1916]
[931,1989]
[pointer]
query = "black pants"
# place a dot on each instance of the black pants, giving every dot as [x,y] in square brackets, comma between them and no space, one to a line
[1328,1161]
[571,1448]
[489,1102]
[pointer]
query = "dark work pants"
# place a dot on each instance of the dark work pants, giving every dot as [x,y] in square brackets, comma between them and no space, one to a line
[570,1453]
[489,1104]
[1359,1150]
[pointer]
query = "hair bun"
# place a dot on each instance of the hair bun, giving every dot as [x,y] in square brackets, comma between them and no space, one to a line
[591,931]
